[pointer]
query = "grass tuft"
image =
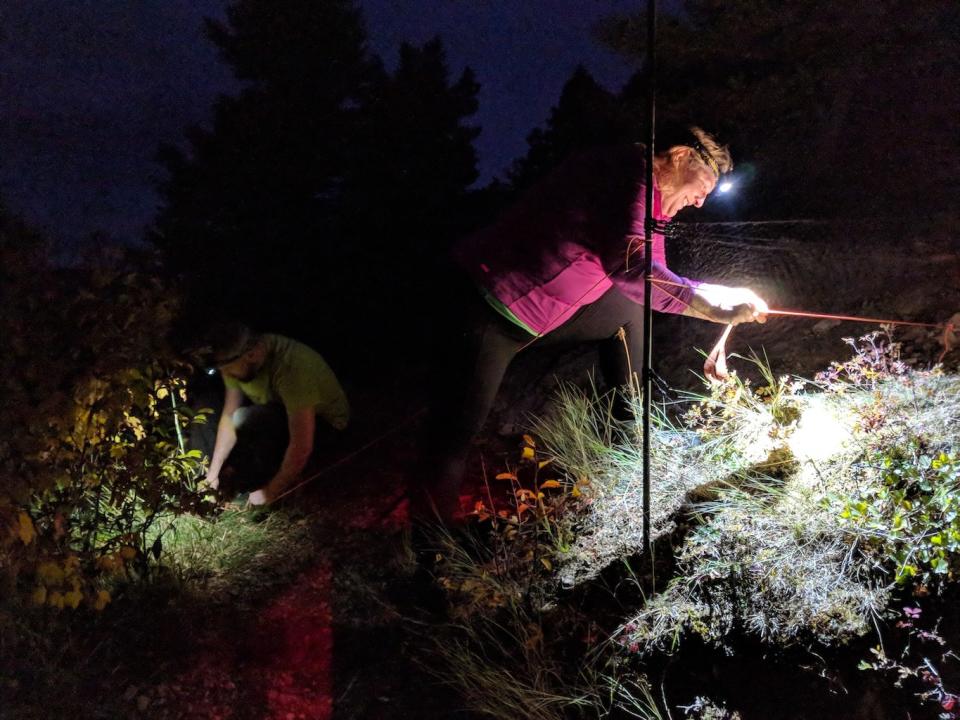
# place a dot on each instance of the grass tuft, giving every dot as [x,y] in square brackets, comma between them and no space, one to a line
[235,552]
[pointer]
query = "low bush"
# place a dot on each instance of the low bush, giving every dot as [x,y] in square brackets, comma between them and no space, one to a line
[93,423]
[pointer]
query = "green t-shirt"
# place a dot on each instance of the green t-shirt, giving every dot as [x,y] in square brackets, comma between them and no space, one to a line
[298,377]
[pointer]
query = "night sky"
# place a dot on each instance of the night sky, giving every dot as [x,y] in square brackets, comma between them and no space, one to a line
[89,88]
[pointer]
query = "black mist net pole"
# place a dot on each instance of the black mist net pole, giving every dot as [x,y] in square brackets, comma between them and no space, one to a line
[647,383]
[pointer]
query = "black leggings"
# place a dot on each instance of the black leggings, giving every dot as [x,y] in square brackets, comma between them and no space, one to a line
[486,351]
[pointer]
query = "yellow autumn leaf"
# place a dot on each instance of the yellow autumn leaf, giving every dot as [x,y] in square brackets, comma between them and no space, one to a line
[162,392]
[576,491]
[543,463]
[527,454]
[102,599]
[39,595]
[111,562]
[49,573]
[529,441]
[547,484]
[72,599]
[546,563]
[506,476]
[55,599]
[127,552]
[136,425]
[71,566]
[25,530]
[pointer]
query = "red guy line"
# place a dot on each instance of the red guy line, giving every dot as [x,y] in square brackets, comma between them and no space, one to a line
[826,316]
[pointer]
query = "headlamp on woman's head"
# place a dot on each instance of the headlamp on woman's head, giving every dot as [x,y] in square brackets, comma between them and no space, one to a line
[707,159]
[723,186]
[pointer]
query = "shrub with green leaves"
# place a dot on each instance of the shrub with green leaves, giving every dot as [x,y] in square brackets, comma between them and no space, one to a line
[909,517]
[93,419]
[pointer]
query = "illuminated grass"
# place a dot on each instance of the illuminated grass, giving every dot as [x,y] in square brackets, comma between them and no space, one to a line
[582,434]
[233,552]
[765,478]
[499,653]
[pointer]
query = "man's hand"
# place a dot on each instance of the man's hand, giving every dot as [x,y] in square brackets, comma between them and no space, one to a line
[213,481]
[300,424]
[260,497]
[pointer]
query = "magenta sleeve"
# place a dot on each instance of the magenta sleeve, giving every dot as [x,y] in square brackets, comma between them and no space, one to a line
[673,295]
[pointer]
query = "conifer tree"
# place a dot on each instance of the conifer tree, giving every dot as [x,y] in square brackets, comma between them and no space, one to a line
[250,208]
[417,155]
[585,115]
[323,177]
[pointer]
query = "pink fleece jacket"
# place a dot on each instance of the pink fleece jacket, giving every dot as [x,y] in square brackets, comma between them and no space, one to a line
[571,238]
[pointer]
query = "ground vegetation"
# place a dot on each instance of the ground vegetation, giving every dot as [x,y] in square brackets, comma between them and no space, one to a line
[790,518]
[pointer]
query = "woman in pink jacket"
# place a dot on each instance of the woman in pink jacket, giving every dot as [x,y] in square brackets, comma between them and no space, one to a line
[565,265]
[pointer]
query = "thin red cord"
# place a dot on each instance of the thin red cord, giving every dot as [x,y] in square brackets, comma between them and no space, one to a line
[853,318]
[947,327]
[799,313]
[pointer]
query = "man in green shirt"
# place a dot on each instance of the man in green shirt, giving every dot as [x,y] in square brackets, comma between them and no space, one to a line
[290,385]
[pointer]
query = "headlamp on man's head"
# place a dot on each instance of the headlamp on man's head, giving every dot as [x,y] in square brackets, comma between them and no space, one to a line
[212,363]
[226,344]
[211,360]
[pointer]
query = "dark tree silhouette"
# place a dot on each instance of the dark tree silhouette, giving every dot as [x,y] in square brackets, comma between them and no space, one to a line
[249,213]
[407,194]
[416,159]
[585,115]
[315,199]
